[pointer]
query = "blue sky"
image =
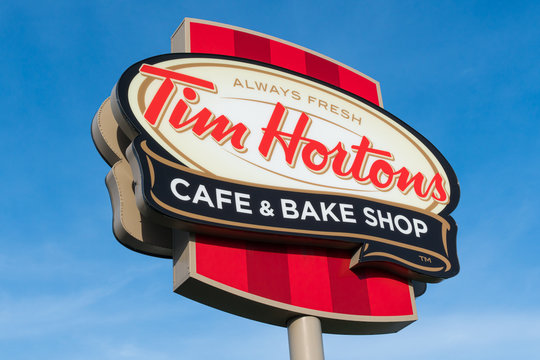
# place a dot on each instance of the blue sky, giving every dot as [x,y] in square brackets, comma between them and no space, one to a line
[464,74]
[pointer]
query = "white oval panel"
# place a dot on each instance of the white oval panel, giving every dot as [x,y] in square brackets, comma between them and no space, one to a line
[247,93]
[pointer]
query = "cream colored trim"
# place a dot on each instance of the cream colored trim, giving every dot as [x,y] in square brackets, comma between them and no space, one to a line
[104,130]
[129,226]
[179,39]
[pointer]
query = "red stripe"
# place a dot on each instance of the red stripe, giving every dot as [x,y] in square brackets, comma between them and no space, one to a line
[251,46]
[358,85]
[222,260]
[211,39]
[322,69]
[388,294]
[288,57]
[349,290]
[309,279]
[268,271]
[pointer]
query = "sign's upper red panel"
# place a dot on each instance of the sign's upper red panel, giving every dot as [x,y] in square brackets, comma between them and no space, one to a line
[207,37]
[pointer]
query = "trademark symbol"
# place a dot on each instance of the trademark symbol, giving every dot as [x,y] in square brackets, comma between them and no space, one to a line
[425,259]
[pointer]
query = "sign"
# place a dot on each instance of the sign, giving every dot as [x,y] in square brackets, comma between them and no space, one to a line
[228,146]
[226,142]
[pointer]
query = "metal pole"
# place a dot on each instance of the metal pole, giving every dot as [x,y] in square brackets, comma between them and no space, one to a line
[305,338]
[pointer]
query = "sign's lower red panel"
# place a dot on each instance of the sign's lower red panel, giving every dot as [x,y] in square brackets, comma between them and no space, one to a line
[274,283]
[308,277]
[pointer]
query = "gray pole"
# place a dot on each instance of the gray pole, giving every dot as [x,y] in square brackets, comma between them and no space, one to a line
[305,338]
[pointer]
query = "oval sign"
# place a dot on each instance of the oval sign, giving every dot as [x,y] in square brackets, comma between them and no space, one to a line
[264,149]
[252,122]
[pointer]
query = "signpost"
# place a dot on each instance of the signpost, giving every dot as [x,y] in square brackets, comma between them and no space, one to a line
[277,183]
